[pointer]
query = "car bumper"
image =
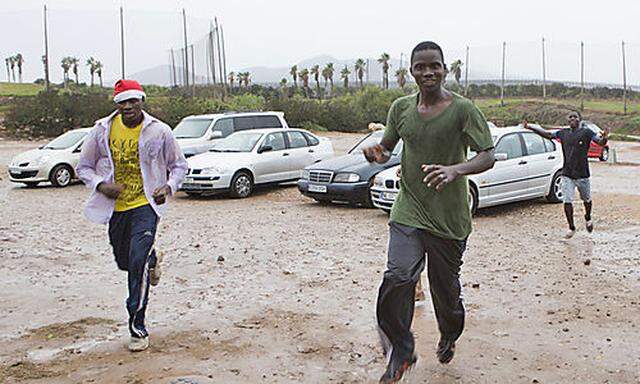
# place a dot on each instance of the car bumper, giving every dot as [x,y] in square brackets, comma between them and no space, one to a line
[345,192]
[212,183]
[383,198]
[27,175]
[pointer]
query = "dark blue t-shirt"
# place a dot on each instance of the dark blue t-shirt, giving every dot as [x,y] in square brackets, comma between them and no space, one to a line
[575,148]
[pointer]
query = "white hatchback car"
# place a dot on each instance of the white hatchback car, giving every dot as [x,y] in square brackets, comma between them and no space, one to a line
[54,162]
[248,158]
[527,167]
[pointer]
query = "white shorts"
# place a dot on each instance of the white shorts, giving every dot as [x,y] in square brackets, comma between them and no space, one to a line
[569,186]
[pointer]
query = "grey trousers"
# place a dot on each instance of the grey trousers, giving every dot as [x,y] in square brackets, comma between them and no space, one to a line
[406,260]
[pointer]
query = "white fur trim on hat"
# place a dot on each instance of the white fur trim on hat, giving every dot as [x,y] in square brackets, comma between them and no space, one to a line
[129,94]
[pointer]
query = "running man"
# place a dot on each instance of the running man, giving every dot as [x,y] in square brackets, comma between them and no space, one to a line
[124,161]
[431,213]
[575,142]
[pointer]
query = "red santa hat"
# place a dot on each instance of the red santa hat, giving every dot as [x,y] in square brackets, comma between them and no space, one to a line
[127,89]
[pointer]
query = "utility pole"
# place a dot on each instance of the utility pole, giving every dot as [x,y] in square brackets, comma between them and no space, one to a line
[582,75]
[212,56]
[46,52]
[466,73]
[186,49]
[224,57]
[122,40]
[624,79]
[193,72]
[173,69]
[544,72]
[219,51]
[504,47]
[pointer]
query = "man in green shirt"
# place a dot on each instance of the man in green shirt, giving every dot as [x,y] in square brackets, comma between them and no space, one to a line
[431,213]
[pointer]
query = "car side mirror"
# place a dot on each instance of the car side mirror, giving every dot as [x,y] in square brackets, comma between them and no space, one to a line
[215,135]
[78,149]
[266,148]
[501,156]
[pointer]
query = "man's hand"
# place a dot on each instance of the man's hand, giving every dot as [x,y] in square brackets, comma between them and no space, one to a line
[525,124]
[438,176]
[605,132]
[111,190]
[160,194]
[376,153]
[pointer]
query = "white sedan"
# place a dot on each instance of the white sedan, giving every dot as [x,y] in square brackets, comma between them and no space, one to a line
[527,167]
[54,162]
[258,156]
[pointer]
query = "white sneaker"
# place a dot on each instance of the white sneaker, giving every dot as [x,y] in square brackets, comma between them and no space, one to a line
[589,225]
[570,233]
[138,344]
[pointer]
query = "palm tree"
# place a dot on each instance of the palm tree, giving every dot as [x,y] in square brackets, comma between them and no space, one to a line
[74,66]
[344,74]
[232,78]
[7,62]
[360,68]
[329,70]
[304,76]
[294,74]
[91,63]
[244,77]
[456,69]
[315,71]
[384,60]
[401,76]
[12,64]
[283,86]
[66,65]
[99,71]
[19,61]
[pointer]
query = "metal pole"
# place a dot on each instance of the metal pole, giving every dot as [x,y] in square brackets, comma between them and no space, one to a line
[544,72]
[173,69]
[504,47]
[582,75]
[624,79]
[224,56]
[193,72]
[219,51]
[212,57]
[206,56]
[186,49]
[122,40]
[466,74]
[46,52]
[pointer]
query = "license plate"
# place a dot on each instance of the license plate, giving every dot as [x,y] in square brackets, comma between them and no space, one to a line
[389,195]
[318,188]
[190,185]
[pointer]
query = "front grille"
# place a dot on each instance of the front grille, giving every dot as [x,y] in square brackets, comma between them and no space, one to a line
[193,171]
[24,175]
[320,176]
[389,183]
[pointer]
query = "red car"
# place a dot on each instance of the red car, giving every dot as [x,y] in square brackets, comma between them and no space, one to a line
[596,150]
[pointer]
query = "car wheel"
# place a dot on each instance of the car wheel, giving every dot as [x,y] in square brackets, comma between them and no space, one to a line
[473,200]
[31,184]
[241,185]
[604,156]
[555,191]
[61,175]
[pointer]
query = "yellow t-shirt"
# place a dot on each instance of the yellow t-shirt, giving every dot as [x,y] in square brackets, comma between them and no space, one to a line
[123,142]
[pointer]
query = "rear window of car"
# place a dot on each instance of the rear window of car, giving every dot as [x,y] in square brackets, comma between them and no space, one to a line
[268,122]
[242,123]
[312,140]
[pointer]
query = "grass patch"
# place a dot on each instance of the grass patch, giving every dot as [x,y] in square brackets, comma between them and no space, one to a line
[609,106]
[17,89]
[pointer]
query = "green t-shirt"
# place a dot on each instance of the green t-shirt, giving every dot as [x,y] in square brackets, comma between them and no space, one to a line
[443,139]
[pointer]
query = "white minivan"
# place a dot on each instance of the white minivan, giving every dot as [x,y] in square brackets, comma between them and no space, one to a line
[196,134]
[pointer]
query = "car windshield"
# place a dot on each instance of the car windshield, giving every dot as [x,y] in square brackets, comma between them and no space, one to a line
[238,142]
[191,128]
[66,140]
[369,140]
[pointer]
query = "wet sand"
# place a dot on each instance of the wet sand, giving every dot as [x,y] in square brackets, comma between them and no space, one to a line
[279,289]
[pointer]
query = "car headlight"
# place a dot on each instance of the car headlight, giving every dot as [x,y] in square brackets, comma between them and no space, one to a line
[346,178]
[378,182]
[305,174]
[213,171]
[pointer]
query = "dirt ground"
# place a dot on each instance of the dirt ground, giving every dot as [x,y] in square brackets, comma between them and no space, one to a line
[279,289]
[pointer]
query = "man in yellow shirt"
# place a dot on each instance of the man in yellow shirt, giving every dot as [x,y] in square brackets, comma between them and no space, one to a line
[125,161]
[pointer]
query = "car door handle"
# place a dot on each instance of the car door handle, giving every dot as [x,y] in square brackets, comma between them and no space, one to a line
[551,157]
[285,154]
[522,162]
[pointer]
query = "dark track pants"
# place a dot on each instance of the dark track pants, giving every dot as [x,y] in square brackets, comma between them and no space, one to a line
[406,260]
[132,234]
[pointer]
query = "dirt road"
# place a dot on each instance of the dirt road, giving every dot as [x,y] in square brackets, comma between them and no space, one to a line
[278,289]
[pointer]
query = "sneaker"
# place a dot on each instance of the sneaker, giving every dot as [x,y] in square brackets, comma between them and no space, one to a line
[395,371]
[138,344]
[446,350]
[155,272]
[570,233]
[589,226]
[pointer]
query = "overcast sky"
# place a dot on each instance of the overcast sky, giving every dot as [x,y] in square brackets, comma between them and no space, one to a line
[284,32]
